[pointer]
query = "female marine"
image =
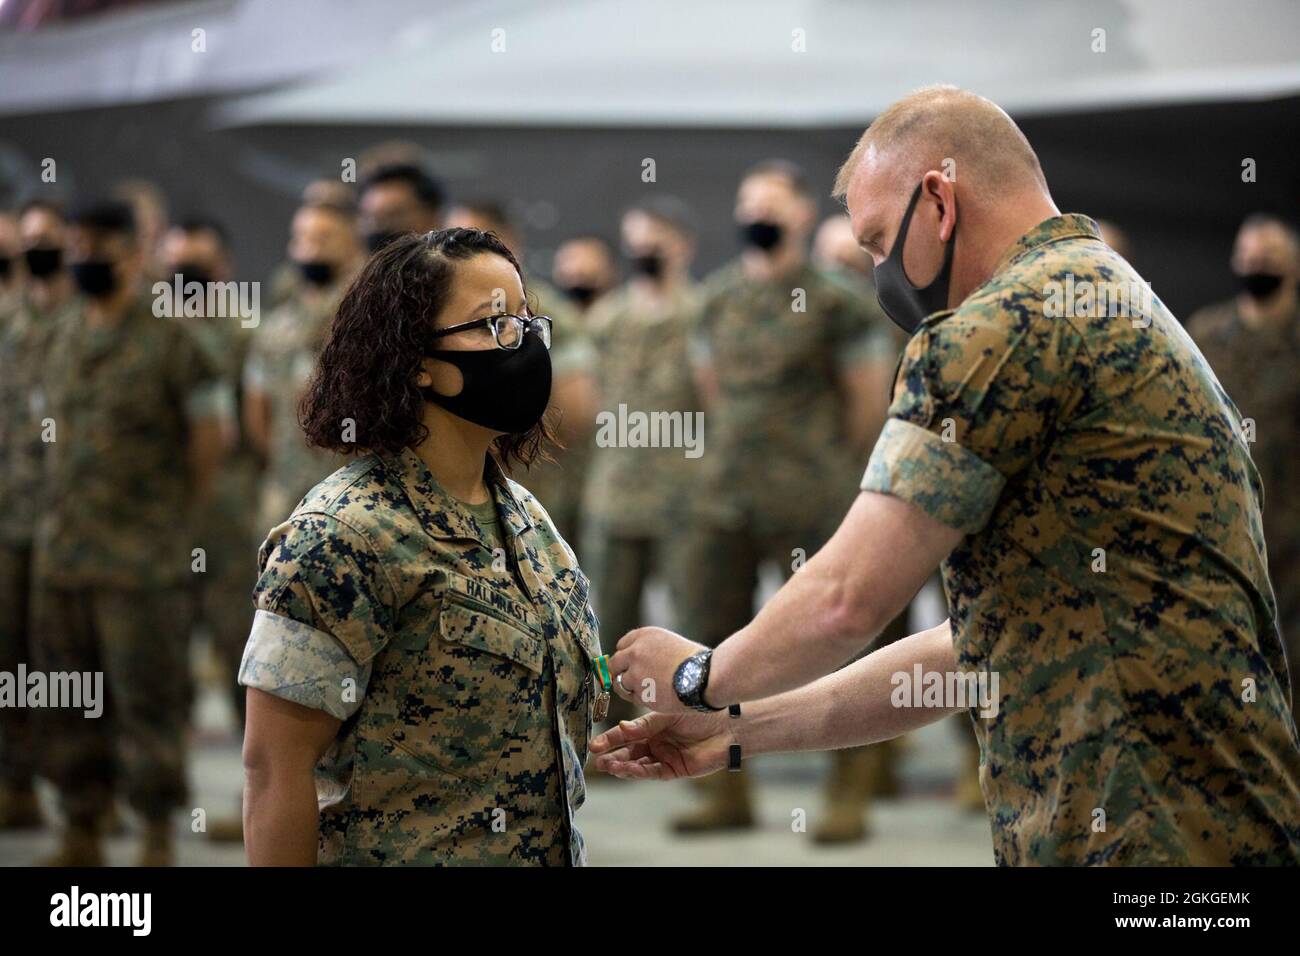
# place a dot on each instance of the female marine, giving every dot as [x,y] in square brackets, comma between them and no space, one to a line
[419,671]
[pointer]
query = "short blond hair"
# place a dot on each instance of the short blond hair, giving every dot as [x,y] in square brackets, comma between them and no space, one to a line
[938,123]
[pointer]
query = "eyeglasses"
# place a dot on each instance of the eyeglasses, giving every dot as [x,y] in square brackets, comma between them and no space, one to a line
[507,330]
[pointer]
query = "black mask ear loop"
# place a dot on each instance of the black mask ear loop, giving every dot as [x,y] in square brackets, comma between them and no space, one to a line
[901,240]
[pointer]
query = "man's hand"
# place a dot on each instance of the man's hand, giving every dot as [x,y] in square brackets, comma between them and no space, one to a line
[646,660]
[664,746]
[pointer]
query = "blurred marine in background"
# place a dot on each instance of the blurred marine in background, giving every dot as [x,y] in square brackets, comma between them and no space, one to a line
[637,498]
[34,310]
[135,406]
[1252,342]
[789,365]
[324,248]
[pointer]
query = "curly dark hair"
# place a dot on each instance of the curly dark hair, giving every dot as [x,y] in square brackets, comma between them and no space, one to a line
[382,331]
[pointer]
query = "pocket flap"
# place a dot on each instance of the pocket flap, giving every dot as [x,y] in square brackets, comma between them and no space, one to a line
[471,626]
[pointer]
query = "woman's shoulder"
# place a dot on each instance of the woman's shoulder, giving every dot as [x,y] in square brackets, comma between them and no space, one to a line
[363,491]
[549,538]
[359,503]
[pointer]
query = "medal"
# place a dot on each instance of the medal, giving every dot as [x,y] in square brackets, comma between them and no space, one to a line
[601,668]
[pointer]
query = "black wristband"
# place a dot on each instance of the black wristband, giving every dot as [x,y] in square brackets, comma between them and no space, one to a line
[733,752]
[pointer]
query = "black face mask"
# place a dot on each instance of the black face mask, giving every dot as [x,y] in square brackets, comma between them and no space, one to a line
[95,277]
[651,266]
[191,272]
[506,390]
[317,273]
[583,295]
[43,262]
[1260,285]
[378,239]
[903,302]
[762,234]
[6,266]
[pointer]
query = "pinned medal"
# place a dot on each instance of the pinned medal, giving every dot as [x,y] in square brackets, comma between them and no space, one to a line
[601,667]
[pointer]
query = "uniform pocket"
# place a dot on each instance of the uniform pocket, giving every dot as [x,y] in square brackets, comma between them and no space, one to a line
[471,688]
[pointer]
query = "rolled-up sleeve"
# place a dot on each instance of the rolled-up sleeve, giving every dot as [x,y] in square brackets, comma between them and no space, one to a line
[941,478]
[324,610]
[978,395]
[298,663]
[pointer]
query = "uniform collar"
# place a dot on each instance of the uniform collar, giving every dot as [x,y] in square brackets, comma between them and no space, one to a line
[1072,225]
[444,516]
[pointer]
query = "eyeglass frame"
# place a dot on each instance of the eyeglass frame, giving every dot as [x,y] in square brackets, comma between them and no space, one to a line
[527,323]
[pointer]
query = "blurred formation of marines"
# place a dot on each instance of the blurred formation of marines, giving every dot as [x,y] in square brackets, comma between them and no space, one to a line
[324,246]
[137,411]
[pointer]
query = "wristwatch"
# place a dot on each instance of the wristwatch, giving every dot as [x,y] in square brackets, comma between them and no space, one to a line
[690,680]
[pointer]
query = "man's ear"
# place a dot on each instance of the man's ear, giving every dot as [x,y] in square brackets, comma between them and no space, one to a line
[939,187]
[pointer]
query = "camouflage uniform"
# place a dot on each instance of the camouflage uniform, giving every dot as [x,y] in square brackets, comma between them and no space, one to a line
[24,337]
[113,553]
[462,677]
[558,484]
[775,449]
[636,498]
[227,525]
[1143,711]
[280,362]
[1259,371]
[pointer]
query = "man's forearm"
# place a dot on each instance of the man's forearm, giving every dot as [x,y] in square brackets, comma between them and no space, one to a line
[853,706]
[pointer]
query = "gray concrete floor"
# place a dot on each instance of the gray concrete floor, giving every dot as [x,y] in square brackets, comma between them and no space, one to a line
[626,823]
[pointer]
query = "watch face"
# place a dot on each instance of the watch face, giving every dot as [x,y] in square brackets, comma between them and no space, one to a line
[688,677]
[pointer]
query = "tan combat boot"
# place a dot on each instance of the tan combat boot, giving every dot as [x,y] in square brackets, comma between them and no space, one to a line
[727,806]
[18,808]
[159,848]
[848,794]
[78,846]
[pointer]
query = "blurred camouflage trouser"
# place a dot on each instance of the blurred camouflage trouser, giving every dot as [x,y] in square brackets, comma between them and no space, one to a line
[138,638]
[619,567]
[224,605]
[17,746]
[720,567]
